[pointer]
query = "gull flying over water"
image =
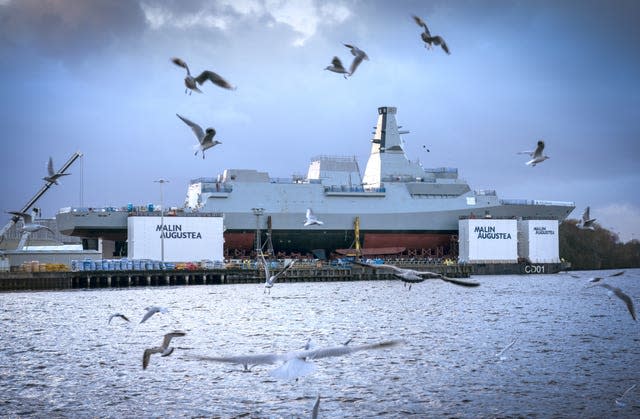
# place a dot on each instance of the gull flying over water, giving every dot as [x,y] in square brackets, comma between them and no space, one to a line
[586,222]
[192,82]
[536,155]
[412,276]
[429,40]
[624,297]
[151,311]
[163,350]
[297,363]
[270,279]
[600,278]
[337,67]
[359,55]
[122,316]
[205,138]
[311,218]
[52,176]
[316,408]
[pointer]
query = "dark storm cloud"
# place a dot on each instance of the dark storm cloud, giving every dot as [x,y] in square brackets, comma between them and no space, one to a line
[68,28]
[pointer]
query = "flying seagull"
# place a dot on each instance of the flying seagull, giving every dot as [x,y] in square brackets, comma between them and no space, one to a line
[586,222]
[204,137]
[270,279]
[499,354]
[52,175]
[536,155]
[337,67]
[28,224]
[412,276]
[163,350]
[359,55]
[298,363]
[151,311]
[122,316]
[624,297]
[429,40]
[311,218]
[192,82]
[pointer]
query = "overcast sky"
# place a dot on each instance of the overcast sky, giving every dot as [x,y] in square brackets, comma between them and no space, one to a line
[96,77]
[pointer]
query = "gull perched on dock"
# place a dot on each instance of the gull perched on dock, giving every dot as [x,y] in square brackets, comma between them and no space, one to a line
[270,279]
[586,222]
[311,218]
[122,316]
[205,138]
[429,40]
[359,55]
[163,350]
[298,363]
[412,276]
[624,297]
[151,311]
[52,175]
[192,82]
[536,155]
[337,67]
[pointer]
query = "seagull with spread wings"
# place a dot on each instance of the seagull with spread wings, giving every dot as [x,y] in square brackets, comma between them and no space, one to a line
[192,82]
[163,350]
[270,279]
[337,67]
[52,176]
[536,155]
[586,222]
[205,137]
[412,276]
[311,219]
[429,40]
[298,363]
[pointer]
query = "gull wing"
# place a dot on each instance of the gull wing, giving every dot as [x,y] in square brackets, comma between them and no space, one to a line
[267,274]
[286,268]
[316,408]
[169,336]
[197,129]
[459,282]
[356,62]
[215,79]
[177,61]
[26,218]
[438,40]
[422,23]
[345,349]
[624,297]
[338,65]
[50,167]
[147,354]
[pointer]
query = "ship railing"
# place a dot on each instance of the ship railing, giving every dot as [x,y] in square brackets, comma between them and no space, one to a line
[536,202]
[351,189]
[485,192]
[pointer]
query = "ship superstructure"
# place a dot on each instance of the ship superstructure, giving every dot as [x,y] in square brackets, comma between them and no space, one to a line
[395,204]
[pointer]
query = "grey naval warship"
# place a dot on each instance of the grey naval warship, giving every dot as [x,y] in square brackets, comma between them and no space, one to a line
[396,205]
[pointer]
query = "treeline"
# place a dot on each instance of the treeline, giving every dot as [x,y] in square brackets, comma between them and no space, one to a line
[597,249]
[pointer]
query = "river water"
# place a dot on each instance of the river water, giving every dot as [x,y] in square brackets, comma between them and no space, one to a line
[576,350]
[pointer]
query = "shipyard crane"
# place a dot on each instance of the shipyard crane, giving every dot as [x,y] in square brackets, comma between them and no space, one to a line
[37,196]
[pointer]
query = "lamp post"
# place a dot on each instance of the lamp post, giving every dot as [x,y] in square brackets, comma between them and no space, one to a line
[258,212]
[161,182]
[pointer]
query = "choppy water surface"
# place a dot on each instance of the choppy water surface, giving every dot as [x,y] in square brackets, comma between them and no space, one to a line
[576,351]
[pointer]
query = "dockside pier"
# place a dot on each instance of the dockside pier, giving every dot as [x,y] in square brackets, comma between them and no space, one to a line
[14,281]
